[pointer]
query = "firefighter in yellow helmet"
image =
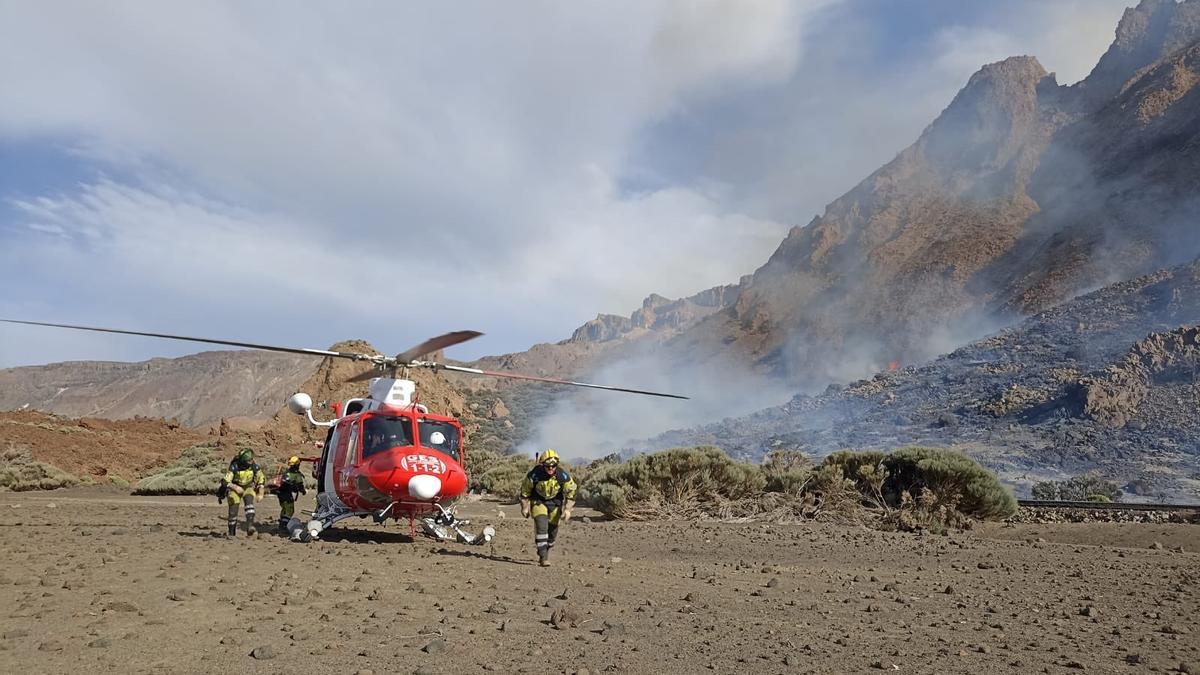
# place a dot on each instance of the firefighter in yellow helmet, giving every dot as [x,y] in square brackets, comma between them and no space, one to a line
[548,495]
[243,482]
[291,486]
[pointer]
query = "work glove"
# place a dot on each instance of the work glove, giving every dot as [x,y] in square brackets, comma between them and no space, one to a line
[566,516]
[237,488]
[262,492]
[525,509]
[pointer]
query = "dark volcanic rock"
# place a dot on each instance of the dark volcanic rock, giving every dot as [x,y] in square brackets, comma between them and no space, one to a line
[1106,382]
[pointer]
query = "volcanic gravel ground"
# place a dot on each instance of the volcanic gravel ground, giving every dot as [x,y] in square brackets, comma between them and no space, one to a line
[99,581]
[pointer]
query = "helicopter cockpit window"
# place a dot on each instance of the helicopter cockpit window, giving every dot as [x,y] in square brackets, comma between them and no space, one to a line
[440,436]
[383,433]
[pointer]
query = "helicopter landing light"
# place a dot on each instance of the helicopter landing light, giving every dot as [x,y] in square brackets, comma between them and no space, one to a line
[424,486]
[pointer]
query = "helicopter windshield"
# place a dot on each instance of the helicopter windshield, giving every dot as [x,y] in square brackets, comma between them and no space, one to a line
[383,433]
[440,436]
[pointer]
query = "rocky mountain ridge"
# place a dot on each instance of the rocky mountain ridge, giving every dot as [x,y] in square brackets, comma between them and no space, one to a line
[1107,384]
[196,390]
[1020,195]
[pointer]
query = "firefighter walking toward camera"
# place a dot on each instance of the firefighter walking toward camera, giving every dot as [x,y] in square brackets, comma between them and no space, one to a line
[244,482]
[291,486]
[547,495]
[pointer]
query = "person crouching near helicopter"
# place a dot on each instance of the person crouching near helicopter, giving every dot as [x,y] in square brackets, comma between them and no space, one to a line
[291,486]
[243,482]
[548,495]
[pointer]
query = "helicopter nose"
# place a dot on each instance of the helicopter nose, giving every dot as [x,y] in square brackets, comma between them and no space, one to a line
[424,486]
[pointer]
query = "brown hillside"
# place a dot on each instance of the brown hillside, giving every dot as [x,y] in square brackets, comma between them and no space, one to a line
[97,447]
[197,390]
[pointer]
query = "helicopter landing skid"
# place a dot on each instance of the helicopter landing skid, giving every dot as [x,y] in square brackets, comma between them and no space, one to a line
[329,512]
[445,526]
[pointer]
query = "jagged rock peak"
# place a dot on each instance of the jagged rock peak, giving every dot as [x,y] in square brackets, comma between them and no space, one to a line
[602,328]
[658,313]
[998,103]
[1146,33]
[654,300]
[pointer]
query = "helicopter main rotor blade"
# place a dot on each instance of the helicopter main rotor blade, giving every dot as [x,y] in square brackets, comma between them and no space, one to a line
[369,375]
[434,344]
[518,376]
[231,343]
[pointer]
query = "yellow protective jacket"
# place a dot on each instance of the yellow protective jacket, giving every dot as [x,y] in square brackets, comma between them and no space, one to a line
[243,478]
[541,486]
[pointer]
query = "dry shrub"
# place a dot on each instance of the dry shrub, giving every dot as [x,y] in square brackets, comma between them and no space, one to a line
[923,512]
[20,472]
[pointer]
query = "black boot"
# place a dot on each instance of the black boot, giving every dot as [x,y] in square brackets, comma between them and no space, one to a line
[232,530]
[250,523]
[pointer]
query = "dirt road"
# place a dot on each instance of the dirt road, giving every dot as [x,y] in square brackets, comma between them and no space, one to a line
[101,582]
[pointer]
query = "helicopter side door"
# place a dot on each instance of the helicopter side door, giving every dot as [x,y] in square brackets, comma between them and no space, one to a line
[345,458]
[321,470]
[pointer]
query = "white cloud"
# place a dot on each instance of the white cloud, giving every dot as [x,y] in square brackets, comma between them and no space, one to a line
[296,172]
[1067,37]
[467,152]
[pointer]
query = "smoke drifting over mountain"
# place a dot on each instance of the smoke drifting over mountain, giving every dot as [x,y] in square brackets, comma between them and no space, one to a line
[592,424]
[1020,195]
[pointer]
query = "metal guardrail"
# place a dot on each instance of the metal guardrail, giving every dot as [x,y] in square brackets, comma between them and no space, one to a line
[1106,506]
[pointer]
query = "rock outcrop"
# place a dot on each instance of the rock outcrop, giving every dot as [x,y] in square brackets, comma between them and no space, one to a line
[1112,397]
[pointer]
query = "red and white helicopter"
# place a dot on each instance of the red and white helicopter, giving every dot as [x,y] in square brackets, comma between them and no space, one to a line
[385,455]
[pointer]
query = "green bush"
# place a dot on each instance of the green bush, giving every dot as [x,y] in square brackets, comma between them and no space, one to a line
[863,469]
[496,473]
[20,472]
[197,471]
[679,482]
[1045,491]
[787,471]
[1078,489]
[953,478]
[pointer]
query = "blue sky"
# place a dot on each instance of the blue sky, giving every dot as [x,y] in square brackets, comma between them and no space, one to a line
[300,174]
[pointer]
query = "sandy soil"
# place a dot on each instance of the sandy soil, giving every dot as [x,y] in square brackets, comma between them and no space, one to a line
[95,580]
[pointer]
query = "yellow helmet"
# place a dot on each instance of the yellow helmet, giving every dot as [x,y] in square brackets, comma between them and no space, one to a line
[293,461]
[547,456]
